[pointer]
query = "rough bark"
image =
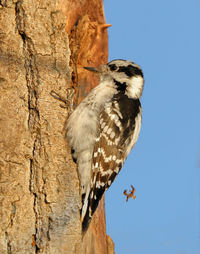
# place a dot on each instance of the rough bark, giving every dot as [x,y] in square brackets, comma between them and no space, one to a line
[43,46]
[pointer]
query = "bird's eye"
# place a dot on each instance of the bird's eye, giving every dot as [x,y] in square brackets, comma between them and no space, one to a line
[113,67]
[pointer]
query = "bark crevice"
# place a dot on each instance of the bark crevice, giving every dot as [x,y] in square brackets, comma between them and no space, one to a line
[9,250]
[32,83]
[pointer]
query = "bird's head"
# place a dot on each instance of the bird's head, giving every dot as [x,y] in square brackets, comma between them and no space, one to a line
[126,76]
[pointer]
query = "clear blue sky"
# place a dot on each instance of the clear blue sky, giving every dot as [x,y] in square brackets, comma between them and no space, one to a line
[164,167]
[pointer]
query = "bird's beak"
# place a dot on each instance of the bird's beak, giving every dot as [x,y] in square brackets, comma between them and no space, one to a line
[93,69]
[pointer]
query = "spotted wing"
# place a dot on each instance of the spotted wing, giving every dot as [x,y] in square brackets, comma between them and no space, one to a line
[116,124]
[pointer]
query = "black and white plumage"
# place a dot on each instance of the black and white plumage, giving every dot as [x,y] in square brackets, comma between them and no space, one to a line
[103,129]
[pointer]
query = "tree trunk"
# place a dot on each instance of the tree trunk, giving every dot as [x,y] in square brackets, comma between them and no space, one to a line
[43,46]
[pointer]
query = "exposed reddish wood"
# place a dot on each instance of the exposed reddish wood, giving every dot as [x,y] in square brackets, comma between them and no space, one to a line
[88,41]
